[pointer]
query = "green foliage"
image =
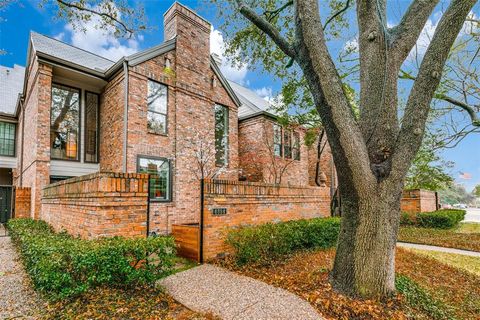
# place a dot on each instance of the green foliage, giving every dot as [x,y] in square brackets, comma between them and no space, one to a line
[419,299]
[455,193]
[476,191]
[408,218]
[267,242]
[428,170]
[61,266]
[441,219]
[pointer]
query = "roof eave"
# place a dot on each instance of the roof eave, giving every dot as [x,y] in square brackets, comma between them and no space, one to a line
[258,114]
[224,82]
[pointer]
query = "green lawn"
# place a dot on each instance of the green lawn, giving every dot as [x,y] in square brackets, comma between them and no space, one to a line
[465,236]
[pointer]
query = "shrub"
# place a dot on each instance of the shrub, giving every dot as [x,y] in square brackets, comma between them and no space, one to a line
[408,218]
[61,266]
[263,243]
[416,297]
[441,219]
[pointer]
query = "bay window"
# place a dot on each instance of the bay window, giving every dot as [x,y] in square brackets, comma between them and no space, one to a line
[160,181]
[157,107]
[221,135]
[65,123]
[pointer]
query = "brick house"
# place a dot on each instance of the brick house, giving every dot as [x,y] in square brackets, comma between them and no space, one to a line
[161,111]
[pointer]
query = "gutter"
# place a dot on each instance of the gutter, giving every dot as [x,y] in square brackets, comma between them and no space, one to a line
[125,116]
[22,107]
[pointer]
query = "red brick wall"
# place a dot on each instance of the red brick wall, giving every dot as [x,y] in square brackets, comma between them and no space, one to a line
[36,137]
[418,200]
[98,205]
[254,204]
[257,162]
[22,202]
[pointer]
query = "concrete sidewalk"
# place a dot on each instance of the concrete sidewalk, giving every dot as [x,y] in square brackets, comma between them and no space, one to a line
[440,249]
[208,288]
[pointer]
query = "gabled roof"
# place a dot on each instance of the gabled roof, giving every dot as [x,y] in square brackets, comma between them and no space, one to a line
[11,85]
[66,52]
[252,103]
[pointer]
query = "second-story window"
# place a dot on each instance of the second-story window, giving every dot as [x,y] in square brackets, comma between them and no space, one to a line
[91,127]
[65,123]
[277,140]
[296,146]
[157,107]
[221,135]
[7,139]
[287,144]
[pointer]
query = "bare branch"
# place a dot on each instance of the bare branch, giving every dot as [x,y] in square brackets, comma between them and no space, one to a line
[267,28]
[405,35]
[429,75]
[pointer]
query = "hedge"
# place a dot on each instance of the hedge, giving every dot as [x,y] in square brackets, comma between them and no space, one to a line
[264,243]
[62,266]
[440,219]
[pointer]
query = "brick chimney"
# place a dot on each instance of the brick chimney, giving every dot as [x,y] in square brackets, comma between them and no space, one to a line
[192,34]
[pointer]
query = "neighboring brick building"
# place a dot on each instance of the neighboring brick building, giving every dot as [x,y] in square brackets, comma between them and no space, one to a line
[150,112]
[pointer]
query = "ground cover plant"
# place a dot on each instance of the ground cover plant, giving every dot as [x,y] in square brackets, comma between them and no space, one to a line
[61,266]
[466,236]
[427,289]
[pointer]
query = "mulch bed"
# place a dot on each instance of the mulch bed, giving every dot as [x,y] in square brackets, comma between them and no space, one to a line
[110,303]
[306,274]
[439,237]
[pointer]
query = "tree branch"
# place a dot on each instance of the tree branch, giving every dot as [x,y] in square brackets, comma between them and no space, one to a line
[267,28]
[128,31]
[345,8]
[272,14]
[406,33]
[429,75]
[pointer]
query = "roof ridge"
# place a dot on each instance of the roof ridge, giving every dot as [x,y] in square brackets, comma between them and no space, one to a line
[70,45]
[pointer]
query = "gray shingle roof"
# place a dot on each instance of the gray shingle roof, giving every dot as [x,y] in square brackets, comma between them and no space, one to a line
[61,50]
[252,103]
[11,84]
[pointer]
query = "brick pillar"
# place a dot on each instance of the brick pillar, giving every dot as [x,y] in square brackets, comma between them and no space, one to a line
[22,203]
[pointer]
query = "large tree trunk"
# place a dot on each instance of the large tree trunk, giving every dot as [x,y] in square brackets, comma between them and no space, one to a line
[364,263]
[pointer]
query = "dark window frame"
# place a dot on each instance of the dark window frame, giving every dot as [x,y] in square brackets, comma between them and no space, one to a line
[170,176]
[14,139]
[156,112]
[80,110]
[86,92]
[276,143]
[226,135]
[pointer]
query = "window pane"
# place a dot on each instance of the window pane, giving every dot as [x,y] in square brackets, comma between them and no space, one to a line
[277,140]
[160,184]
[287,144]
[64,123]
[156,122]
[91,127]
[296,146]
[221,135]
[157,97]
[7,139]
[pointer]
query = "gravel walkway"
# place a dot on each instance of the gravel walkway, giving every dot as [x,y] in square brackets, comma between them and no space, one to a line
[17,299]
[440,249]
[208,288]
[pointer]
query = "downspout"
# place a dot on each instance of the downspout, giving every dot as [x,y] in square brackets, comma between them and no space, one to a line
[201,226]
[125,115]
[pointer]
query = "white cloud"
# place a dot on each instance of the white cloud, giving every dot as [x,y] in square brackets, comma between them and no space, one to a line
[217,45]
[265,92]
[100,41]
[351,45]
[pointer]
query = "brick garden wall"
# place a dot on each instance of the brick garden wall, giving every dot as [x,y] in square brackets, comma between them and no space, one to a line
[22,202]
[418,200]
[253,204]
[97,205]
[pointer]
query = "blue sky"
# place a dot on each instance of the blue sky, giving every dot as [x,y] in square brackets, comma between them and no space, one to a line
[25,15]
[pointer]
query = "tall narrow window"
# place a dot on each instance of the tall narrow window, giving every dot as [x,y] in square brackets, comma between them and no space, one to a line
[65,123]
[287,144]
[157,107]
[7,139]
[160,183]
[296,146]
[91,127]
[277,140]
[221,135]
